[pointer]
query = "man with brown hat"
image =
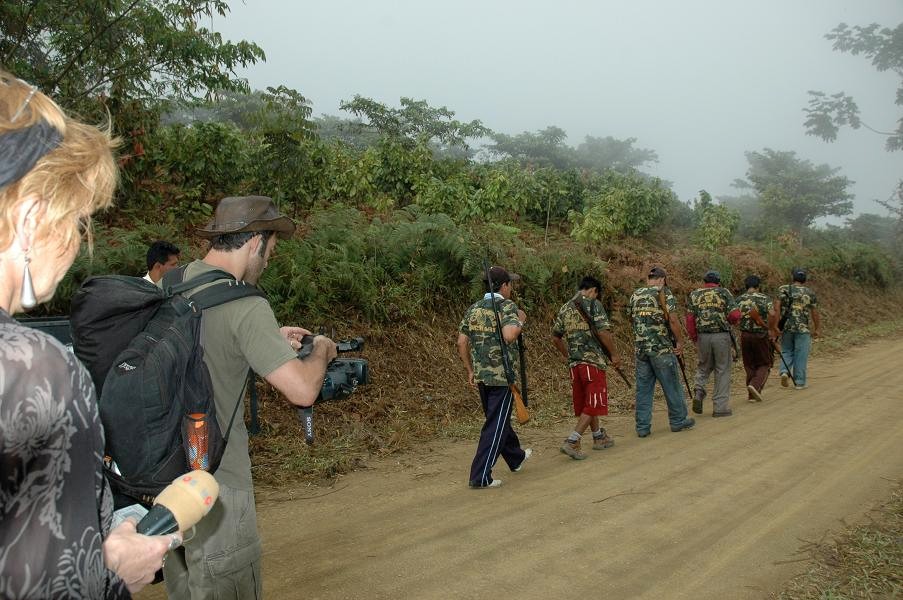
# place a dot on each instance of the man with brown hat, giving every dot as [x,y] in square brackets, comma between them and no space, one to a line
[222,559]
[480,350]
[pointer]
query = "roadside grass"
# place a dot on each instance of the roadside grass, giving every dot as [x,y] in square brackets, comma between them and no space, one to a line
[863,561]
[841,339]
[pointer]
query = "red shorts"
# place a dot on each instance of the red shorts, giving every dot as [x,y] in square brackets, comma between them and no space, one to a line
[590,390]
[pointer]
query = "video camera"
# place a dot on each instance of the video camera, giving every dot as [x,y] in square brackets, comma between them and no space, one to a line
[342,377]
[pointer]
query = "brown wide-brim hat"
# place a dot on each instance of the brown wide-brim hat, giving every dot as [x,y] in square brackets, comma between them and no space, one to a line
[238,214]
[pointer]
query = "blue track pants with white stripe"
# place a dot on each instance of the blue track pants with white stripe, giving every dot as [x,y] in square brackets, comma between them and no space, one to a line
[497,436]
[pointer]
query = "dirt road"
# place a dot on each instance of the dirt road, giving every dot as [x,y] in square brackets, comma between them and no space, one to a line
[716,512]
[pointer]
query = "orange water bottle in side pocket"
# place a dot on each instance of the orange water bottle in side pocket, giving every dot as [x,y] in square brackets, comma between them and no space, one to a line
[197,438]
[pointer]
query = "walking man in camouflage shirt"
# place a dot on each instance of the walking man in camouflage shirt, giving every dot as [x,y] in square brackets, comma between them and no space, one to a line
[756,322]
[794,304]
[481,353]
[711,312]
[656,356]
[582,346]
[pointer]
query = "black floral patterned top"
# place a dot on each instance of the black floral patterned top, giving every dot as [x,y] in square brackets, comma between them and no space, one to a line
[55,505]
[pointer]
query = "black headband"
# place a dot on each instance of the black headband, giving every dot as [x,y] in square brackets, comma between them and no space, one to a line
[20,150]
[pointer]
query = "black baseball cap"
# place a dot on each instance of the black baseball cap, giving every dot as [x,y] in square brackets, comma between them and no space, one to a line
[712,277]
[499,275]
[657,273]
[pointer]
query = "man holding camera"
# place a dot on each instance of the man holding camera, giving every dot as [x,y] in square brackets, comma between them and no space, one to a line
[222,559]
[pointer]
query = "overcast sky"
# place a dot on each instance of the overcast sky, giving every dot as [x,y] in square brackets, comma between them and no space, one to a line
[698,81]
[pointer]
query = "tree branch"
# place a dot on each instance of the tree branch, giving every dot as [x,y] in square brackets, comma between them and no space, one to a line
[90,43]
[7,59]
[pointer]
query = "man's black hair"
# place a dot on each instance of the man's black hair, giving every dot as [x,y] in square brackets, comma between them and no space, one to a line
[799,275]
[233,241]
[752,281]
[159,252]
[589,282]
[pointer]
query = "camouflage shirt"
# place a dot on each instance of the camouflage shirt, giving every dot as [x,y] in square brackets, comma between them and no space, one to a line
[710,306]
[801,301]
[747,302]
[649,331]
[479,326]
[570,325]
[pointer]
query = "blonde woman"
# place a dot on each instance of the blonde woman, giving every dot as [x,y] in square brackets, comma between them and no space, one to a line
[55,506]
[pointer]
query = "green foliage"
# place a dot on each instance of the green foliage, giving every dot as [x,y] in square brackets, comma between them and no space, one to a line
[716,223]
[621,205]
[415,123]
[608,153]
[793,192]
[181,172]
[545,148]
[883,46]
[861,262]
[95,56]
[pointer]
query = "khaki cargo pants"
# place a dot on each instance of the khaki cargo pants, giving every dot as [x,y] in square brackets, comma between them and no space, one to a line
[221,558]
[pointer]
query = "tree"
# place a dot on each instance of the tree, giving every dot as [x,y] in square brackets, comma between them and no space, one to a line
[715,223]
[121,56]
[884,47]
[416,122]
[621,205]
[601,154]
[793,192]
[545,148]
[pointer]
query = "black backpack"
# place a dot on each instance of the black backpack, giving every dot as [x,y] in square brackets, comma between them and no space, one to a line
[141,345]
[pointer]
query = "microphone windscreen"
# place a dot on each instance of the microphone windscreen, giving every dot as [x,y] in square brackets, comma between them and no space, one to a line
[189,497]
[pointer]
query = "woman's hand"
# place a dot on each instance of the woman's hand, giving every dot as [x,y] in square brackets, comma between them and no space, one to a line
[135,557]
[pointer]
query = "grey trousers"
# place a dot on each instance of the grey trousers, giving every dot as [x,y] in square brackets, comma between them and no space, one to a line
[221,561]
[715,355]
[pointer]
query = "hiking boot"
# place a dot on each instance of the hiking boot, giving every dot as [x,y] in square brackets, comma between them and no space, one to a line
[698,397]
[572,449]
[684,425]
[785,380]
[754,394]
[603,442]
[494,484]
[725,413]
[528,452]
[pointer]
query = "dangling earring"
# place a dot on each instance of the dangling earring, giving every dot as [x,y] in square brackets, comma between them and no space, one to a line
[27,299]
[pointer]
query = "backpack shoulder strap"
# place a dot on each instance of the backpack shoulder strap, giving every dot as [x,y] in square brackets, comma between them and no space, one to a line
[224,292]
[230,289]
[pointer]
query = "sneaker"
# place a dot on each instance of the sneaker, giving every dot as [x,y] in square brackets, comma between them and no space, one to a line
[785,380]
[495,483]
[603,442]
[800,387]
[755,395]
[528,452]
[686,424]
[725,413]
[573,450]
[643,434]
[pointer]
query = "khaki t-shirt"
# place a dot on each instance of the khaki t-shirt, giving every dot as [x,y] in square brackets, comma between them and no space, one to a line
[235,336]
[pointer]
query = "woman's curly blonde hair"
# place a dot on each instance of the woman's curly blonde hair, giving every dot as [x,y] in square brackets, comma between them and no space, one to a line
[74,180]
